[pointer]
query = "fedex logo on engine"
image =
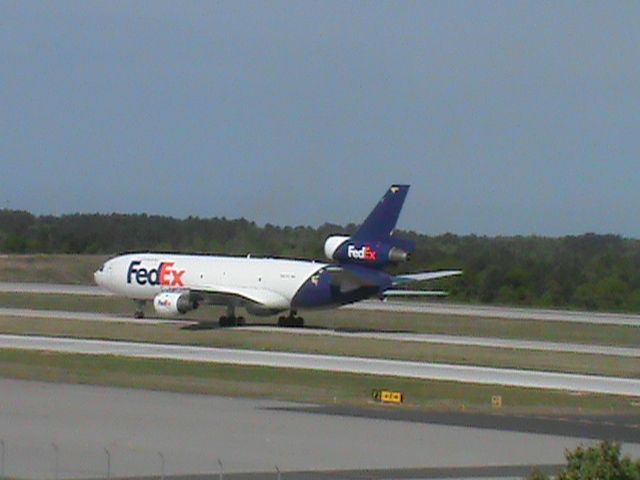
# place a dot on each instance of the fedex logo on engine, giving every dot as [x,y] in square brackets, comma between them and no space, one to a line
[164,275]
[364,253]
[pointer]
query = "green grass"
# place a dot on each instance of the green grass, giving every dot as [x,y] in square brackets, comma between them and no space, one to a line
[289,384]
[618,335]
[47,268]
[326,344]
[72,303]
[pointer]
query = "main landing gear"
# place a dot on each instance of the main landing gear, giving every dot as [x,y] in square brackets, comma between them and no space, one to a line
[291,320]
[230,319]
[139,313]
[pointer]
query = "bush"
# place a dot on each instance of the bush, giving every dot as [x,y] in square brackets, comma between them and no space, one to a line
[600,462]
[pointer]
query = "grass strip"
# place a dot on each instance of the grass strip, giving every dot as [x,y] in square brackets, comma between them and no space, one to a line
[327,345]
[291,384]
[50,268]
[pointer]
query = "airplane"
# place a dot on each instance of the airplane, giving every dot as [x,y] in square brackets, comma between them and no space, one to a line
[179,283]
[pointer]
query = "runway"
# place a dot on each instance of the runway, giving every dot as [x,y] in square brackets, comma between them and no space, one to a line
[368,366]
[86,316]
[488,342]
[507,313]
[53,288]
[388,336]
[193,432]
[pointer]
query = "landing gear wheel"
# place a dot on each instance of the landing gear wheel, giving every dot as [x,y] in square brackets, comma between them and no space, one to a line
[232,321]
[225,321]
[139,313]
[291,321]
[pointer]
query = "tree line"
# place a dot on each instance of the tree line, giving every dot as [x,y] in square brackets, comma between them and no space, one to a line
[599,272]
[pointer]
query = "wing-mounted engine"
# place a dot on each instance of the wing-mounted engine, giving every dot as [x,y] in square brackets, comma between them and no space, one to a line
[170,304]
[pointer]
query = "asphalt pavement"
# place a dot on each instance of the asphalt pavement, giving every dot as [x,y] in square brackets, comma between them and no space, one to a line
[79,431]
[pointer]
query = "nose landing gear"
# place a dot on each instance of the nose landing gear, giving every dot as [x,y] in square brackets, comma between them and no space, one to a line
[139,313]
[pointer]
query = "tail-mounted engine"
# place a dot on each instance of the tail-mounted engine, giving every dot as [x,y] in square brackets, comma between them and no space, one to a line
[345,249]
[333,243]
[170,304]
[374,244]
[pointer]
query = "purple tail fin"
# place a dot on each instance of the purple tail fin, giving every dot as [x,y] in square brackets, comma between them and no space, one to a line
[382,220]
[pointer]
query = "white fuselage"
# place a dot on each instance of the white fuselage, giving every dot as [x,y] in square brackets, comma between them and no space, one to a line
[142,276]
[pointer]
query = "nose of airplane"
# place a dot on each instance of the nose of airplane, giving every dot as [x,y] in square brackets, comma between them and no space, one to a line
[98,276]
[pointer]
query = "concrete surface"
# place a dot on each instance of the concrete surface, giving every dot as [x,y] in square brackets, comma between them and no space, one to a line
[370,366]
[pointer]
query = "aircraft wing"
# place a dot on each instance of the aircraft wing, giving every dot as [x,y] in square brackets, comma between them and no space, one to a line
[223,295]
[416,277]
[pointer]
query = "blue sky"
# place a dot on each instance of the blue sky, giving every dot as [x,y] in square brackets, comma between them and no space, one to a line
[505,117]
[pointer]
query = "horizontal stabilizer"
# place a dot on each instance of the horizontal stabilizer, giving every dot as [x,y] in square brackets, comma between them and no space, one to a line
[408,246]
[355,275]
[417,277]
[414,293]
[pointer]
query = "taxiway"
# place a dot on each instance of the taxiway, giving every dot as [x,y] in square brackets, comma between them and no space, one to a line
[439,308]
[76,426]
[358,365]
